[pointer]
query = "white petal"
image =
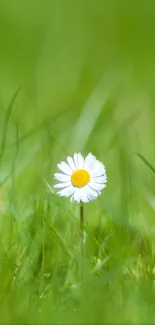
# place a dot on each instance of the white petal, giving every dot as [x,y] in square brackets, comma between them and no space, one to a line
[80,195]
[65,168]
[68,191]
[98,165]
[61,185]
[80,161]
[100,179]
[84,195]
[61,177]
[98,170]
[71,163]
[87,192]
[90,161]
[92,194]
[76,160]
[96,186]
[72,198]
[77,195]
[98,173]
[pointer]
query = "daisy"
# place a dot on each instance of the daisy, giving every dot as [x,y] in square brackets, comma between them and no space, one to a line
[81,179]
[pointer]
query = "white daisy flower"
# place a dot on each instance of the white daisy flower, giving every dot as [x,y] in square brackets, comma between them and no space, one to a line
[82,179]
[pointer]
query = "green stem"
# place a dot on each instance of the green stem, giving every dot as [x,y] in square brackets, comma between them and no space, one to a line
[81,219]
[82,241]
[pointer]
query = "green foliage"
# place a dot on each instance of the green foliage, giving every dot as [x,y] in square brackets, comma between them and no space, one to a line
[77,76]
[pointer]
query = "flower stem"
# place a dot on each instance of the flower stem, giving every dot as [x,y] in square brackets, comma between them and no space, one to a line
[82,241]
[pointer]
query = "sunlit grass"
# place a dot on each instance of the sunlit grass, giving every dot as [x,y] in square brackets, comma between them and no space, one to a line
[77,76]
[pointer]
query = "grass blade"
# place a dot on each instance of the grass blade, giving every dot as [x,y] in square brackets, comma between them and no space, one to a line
[146,162]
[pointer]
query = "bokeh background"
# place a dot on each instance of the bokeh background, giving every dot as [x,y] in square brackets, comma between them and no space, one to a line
[77,76]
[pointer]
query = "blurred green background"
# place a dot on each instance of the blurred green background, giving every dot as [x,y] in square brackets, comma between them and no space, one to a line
[77,76]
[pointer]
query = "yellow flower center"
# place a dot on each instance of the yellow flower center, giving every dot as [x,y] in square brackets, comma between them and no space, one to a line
[80,178]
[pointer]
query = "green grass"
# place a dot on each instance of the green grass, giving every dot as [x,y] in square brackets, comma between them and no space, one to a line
[77,76]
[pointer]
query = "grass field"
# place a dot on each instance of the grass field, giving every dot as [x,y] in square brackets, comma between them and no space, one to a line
[77,76]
